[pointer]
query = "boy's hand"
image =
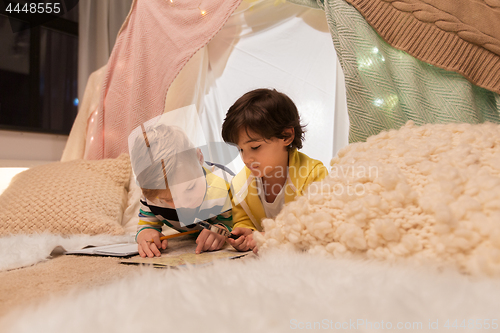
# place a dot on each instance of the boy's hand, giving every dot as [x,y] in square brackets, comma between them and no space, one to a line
[209,241]
[148,248]
[245,242]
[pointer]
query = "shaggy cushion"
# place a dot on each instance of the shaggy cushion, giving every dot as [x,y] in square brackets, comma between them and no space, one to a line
[76,197]
[429,193]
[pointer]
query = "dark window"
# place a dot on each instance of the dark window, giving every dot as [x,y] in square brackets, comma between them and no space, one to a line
[39,70]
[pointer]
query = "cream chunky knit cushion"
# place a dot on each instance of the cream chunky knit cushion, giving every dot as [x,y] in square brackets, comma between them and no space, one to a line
[76,197]
[429,194]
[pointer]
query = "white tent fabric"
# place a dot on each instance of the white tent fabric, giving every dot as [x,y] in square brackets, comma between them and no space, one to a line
[286,47]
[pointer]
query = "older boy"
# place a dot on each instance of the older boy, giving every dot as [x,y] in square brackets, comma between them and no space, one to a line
[265,125]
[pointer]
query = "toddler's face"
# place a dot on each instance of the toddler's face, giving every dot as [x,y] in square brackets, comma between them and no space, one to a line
[187,192]
[185,195]
[263,157]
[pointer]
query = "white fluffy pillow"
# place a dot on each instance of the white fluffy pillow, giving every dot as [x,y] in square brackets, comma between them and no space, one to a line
[429,193]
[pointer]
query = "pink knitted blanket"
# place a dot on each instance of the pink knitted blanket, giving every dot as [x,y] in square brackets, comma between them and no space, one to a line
[156,41]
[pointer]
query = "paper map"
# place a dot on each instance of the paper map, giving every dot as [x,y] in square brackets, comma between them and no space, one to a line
[182,252]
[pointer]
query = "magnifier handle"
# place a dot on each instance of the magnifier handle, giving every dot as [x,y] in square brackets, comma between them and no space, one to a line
[233,236]
[216,229]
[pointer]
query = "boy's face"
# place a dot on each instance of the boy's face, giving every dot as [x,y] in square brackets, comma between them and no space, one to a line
[265,158]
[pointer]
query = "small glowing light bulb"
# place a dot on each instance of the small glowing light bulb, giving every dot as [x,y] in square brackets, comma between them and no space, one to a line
[378,102]
[203,12]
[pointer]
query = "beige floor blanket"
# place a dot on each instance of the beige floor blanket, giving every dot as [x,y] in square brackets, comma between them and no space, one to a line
[35,284]
[35,269]
[278,292]
[30,274]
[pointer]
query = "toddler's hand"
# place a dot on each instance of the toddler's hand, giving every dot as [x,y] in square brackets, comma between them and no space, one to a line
[245,242]
[209,241]
[148,248]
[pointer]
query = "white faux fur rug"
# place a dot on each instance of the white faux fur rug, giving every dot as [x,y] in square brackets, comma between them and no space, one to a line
[25,250]
[278,292]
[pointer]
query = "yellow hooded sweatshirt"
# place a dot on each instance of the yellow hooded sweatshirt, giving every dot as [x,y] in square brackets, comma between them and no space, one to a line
[248,211]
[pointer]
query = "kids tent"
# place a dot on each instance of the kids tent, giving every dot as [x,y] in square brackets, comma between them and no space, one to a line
[243,46]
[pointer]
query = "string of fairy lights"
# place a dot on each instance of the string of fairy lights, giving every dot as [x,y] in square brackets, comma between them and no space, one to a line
[202,11]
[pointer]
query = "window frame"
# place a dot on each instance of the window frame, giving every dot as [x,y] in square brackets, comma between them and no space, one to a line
[53,22]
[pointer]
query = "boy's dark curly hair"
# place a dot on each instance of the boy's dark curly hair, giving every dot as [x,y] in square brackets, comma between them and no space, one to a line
[267,113]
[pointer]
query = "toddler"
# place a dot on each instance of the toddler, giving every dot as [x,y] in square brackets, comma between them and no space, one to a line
[178,189]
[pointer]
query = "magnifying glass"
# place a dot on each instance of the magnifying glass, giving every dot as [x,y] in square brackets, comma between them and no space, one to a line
[214,228]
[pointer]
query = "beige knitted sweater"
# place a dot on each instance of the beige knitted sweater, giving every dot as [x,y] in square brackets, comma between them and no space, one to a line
[457,35]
